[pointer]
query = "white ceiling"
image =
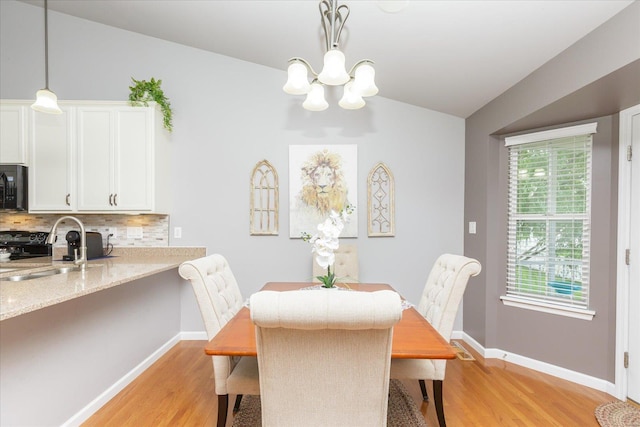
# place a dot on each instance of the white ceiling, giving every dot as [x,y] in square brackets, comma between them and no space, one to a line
[449,56]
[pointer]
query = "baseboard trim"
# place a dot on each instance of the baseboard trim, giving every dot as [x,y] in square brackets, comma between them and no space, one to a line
[536,365]
[118,386]
[193,336]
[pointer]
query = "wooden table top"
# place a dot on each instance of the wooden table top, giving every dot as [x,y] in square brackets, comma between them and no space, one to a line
[413,336]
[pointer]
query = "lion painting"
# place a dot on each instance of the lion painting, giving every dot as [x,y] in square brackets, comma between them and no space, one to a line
[322,188]
[323,185]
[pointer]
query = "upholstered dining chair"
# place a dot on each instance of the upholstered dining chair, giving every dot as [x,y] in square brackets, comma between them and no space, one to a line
[324,356]
[439,304]
[219,299]
[345,266]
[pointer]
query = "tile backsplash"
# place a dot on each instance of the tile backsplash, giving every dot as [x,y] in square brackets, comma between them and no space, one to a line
[154,228]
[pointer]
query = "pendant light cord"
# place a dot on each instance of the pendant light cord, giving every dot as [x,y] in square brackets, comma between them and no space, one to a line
[46,47]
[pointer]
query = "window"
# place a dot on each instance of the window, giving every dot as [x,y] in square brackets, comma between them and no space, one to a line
[549,221]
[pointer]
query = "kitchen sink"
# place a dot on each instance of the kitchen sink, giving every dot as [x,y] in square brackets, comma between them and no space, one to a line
[42,273]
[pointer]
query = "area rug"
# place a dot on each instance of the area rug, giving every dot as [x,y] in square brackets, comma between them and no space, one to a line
[618,414]
[403,411]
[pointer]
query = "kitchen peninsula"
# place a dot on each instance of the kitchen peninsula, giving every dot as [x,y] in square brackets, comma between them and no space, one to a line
[69,342]
[125,265]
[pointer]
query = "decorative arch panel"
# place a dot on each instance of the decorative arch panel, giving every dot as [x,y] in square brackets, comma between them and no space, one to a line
[381,202]
[264,197]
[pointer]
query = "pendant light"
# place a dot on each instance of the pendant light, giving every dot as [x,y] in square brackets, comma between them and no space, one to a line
[46,101]
[357,83]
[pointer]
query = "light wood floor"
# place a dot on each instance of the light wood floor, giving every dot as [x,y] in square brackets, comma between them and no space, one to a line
[178,391]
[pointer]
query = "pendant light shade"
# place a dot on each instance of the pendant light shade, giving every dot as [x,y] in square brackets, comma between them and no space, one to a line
[334,72]
[46,101]
[350,99]
[364,83]
[297,84]
[315,98]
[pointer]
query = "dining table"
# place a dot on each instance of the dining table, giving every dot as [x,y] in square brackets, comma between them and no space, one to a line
[413,336]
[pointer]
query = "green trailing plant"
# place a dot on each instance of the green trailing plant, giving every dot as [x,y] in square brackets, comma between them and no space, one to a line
[144,91]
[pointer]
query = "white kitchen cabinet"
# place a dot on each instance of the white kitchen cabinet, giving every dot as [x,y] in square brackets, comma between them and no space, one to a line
[53,161]
[118,160]
[115,158]
[14,116]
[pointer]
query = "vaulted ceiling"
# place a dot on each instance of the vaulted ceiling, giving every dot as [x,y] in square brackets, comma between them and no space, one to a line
[448,56]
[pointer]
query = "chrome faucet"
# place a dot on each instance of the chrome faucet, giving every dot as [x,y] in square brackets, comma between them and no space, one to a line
[82,260]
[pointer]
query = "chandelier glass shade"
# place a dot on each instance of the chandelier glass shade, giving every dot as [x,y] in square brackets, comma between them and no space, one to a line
[357,83]
[315,98]
[46,101]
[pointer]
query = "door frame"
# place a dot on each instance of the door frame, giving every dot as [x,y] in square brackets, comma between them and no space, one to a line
[624,230]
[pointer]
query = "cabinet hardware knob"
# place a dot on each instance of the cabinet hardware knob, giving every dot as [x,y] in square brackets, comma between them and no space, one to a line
[110,199]
[66,199]
[115,199]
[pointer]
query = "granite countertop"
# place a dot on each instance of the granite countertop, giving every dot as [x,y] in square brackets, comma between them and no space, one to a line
[123,266]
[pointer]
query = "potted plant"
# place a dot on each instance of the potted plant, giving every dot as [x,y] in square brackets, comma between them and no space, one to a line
[144,91]
[325,242]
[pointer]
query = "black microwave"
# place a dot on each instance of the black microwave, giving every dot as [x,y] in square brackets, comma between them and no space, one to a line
[13,188]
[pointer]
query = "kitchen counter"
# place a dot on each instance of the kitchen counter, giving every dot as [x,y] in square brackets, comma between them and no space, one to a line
[126,264]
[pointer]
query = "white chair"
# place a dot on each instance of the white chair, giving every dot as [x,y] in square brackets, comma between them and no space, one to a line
[219,299]
[439,305]
[324,356]
[345,266]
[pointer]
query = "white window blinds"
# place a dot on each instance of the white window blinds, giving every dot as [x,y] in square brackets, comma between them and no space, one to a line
[549,216]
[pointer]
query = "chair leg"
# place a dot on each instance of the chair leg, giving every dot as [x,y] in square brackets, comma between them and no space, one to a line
[423,387]
[437,397]
[236,406]
[223,406]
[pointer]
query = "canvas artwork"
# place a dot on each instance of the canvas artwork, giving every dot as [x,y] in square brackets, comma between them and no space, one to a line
[321,178]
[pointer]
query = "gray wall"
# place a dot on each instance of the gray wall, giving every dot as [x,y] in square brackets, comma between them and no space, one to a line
[582,346]
[230,114]
[57,360]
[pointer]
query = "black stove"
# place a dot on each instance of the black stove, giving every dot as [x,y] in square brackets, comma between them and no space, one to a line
[25,244]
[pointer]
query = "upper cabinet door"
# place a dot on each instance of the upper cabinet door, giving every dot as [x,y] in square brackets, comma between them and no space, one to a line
[53,165]
[133,155]
[14,132]
[95,131]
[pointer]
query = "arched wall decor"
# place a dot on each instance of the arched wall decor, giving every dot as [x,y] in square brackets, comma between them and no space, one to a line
[264,197]
[380,202]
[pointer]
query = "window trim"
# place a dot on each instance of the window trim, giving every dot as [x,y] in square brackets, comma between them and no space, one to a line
[525,302]
[588,128]
[531,304]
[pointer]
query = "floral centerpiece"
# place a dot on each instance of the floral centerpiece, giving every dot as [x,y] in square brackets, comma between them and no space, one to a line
[326,241]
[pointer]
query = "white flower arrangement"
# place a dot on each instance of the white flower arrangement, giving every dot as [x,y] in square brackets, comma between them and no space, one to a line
[326,241]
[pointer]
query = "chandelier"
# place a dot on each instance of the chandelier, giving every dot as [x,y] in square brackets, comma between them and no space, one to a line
[357,83]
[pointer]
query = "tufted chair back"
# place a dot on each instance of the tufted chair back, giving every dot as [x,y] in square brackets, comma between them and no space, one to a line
[439,305]
[345,267]
[216,290]
[444,289]
[311,347]
[219,299]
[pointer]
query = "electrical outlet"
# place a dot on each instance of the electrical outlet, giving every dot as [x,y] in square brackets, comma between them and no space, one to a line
[134,232]
[177,232]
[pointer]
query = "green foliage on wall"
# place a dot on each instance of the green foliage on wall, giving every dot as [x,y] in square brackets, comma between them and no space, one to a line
[144,91]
